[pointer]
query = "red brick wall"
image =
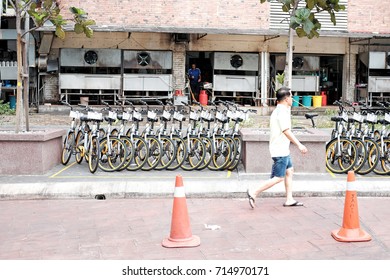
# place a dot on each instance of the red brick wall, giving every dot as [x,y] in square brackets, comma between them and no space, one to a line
[369,16]
[363,15]
[225,14]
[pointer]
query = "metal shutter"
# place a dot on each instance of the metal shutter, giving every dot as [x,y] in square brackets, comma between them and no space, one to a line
[280,19]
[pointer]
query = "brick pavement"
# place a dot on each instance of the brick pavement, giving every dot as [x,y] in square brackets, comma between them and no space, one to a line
[132,229]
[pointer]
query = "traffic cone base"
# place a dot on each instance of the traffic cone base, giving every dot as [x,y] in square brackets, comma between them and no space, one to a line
[193,241]
[351,235]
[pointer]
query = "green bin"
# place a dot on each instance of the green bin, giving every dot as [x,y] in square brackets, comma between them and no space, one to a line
[306,100]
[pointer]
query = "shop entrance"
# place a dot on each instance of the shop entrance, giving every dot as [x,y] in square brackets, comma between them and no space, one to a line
[331,75]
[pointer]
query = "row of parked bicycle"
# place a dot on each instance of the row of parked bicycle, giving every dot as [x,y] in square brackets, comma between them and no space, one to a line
[360,140]
[211,140]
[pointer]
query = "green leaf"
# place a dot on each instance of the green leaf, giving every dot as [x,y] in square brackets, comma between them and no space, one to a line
[310,4]
[47,4]
[286,8]
[300,32]
[60,33]
[78,28]
[89,22]
[33,6]
[280,78]
[322,3]
[333,17]
[308,26]
[295,20]
[77,11]
[88,31]
[303,13]
[262,1]
[294,25]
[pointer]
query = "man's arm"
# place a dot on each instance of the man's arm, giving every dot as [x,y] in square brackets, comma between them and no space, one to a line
[295,141]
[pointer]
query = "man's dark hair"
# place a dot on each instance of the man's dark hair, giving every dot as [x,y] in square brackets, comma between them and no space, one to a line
[282,93]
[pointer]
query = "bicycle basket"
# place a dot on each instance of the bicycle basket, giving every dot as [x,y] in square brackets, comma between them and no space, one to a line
[177,116]
[166,115]
[194,116]
[219,116]
[152,115]
[112,115]
[241,116]
[95,116]
[74,114]
[231,114]
[126,116]
[387,117]
[205,115]
[344,116]
[372,118]
[357,117]
[137,116]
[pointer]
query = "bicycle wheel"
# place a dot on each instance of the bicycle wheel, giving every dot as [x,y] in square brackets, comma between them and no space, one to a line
[181,153]
[209,150]
[385,159]
[80,150]
[113,154]
[384,167]
[155,153]
[168,152]
[237,159]
[222,152]
[372,157]
[67,148]
[196,153]
[340,155]
[93,154]
[141,153]
[234,151]
[361,154]
[130,151]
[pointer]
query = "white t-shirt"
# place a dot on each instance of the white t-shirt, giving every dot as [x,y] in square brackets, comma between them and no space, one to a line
[279,144]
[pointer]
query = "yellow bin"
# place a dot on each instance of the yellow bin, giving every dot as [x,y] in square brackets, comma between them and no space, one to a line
[317,100]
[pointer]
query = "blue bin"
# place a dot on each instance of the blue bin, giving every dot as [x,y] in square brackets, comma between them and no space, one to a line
[296,99]
[12,102]
[306,100]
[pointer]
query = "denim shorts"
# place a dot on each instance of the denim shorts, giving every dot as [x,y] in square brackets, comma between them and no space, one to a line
[280,166]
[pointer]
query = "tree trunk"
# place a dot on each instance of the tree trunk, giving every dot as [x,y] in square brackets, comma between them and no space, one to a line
[289,58]
[19,88]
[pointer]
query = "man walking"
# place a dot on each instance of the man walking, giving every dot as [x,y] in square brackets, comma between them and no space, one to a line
[279,146]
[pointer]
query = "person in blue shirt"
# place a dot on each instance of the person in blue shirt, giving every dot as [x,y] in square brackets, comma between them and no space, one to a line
[194,75]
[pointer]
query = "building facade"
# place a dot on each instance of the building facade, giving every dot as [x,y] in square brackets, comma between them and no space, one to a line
[145,48]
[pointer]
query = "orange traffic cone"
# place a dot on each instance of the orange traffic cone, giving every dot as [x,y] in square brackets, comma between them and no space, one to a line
[350,230]
[181,235]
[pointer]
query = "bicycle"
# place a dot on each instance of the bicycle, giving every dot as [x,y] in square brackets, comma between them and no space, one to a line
[195,147]
[238,117]
[155,149]
[116,150]
[140,149]
[69,147]
[174,135]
